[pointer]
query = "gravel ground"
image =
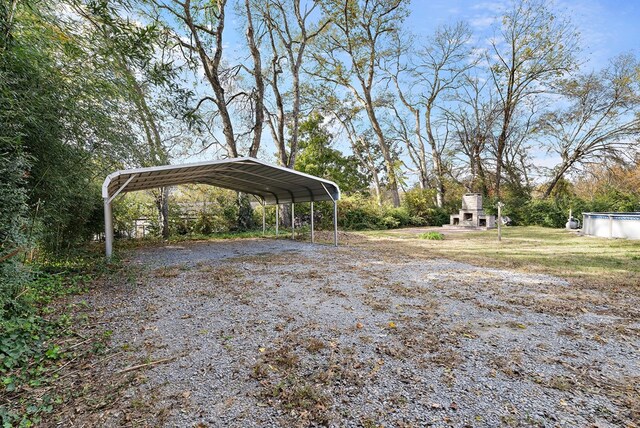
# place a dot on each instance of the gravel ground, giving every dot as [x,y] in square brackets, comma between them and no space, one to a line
[261,333]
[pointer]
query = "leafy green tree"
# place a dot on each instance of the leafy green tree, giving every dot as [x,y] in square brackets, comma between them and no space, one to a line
[317,157]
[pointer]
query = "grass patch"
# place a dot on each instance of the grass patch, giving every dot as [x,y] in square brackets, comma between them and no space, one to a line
[432,236]
[611,262]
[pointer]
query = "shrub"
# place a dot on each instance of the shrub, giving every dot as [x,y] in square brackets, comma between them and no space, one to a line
[359,213]
[390,222]
[433,236]
[422,210]
[418,202]
[545,213]
[400,215]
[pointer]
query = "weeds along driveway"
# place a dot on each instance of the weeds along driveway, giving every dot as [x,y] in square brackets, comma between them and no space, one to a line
[261,333]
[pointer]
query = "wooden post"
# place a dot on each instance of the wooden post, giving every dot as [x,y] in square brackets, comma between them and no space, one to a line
[500,205]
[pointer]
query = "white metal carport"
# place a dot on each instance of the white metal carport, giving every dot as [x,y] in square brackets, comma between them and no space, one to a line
[271,184]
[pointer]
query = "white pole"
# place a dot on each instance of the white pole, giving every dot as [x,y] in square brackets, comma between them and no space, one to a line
[108,228]
[293,222]
[335,223]
[264,220]
[277,218]
[499,221]
[312,239]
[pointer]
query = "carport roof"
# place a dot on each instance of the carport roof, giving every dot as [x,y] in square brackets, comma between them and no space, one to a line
[273,184]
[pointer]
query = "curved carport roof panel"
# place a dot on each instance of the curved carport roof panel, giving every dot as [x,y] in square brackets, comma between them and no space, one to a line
[273,184]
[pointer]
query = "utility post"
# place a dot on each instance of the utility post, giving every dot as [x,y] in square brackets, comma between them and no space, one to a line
[500,205]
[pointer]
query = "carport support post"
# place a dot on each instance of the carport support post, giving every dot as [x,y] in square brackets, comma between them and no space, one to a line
[335,222]
[312,240]
[108,228]
[264,220]
[277,218]
[293,222]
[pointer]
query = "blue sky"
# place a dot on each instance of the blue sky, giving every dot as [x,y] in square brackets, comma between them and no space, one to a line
[607,27]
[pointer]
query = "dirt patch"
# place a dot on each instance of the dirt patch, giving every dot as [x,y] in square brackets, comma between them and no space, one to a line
[260,333]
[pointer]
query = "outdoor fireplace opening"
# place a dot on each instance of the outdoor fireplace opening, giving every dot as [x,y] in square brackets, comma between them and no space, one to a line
[483,222]
[468,216]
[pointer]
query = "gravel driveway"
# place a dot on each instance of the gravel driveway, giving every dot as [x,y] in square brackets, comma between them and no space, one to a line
[262,333]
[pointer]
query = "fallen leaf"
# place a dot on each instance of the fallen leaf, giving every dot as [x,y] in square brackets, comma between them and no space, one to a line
[359,325]
[392,324]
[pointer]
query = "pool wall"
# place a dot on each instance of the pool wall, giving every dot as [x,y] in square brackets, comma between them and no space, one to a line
[612,225]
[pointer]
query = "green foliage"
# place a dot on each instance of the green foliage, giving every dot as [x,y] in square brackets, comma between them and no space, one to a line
[317,157]
[523,210]
[432,236]
[50,117]
[420,204]
[13,237]
[31,335]
[245,213]
[547,213]
[215,210]
[359,212]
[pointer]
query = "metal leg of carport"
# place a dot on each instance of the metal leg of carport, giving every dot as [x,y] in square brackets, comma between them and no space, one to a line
[335,215]
[108,218]
[108,228]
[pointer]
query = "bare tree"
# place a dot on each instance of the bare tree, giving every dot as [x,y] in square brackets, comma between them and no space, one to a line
[473,119]
[439,67]
[290,31]
[443,62]
[532,48]
[198,26]
[601,120]
[349,57]
[413,139]
[257,95]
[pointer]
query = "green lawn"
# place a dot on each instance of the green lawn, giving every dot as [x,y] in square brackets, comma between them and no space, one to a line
[537,249]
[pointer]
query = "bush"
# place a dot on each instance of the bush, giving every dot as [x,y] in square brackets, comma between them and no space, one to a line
[390,222]
[418,202]
[545,213]
[433,236]
[420,206]
[359,213]
[400,215]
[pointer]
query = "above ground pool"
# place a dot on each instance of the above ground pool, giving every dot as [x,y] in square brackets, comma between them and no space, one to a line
[612,225]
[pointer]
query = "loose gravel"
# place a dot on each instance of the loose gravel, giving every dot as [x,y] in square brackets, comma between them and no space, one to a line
[262,333]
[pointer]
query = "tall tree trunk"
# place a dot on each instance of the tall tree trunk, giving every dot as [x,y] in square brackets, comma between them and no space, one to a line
[437,159]
[245,212]
[162,206]
[285,215]
[258,94]
[385,149]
